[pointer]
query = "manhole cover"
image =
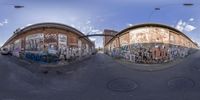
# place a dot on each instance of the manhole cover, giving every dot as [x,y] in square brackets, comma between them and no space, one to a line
[122,85]
[181,83]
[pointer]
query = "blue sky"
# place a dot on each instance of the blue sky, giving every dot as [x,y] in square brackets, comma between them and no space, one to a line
[93,16]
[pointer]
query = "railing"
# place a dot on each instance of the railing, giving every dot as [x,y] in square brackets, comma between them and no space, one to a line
[97,35]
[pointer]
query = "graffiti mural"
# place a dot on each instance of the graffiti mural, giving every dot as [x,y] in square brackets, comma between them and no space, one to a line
[34,42]
[49,43]
[146,35]
[62,43]
[40,57]
[79,48]
[150,45]
[50,38]
[150,53]
[17,48]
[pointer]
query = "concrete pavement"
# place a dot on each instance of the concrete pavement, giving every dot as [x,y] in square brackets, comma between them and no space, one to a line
[99,78]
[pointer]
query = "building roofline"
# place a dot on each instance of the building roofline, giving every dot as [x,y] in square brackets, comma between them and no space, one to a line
[46,24]
[149,24]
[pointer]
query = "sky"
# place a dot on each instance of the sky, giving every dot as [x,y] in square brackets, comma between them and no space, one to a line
[93,16]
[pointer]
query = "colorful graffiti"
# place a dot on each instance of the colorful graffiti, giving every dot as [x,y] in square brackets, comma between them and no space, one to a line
[16,48]
[50,38]
[150,53]
[149,45]
[42,58]
[62,41]
[34,42]
[46,49]
[148,35]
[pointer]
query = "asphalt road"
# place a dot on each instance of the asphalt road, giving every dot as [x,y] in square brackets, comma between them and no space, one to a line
[99,78]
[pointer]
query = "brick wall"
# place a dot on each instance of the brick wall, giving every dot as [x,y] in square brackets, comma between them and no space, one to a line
[150,45]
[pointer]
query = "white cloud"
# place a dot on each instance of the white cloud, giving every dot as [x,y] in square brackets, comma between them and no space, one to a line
[87,28]
[189,28]
[129,25]
[179,25]
[183,26]
[92,39]
[100,32]
[88,22]
[191,19]
[95,30]
[4,22]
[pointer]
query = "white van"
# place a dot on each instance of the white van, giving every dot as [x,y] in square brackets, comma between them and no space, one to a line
[4,51]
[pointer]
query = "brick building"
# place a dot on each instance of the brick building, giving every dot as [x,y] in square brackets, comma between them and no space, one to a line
[150,43]
[52,38]
[108,38]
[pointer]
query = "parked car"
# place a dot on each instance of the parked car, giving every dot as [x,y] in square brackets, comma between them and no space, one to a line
[5,51]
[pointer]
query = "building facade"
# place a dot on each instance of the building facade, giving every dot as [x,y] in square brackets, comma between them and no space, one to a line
[46,41]
[106,39]
[150,43]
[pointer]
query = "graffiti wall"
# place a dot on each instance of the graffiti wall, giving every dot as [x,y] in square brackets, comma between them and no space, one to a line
[148,35]
[150,45]
[62,41]
[34,42]
[17,47]
[49,42]
[150,53]
[79,47]
[62,46]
